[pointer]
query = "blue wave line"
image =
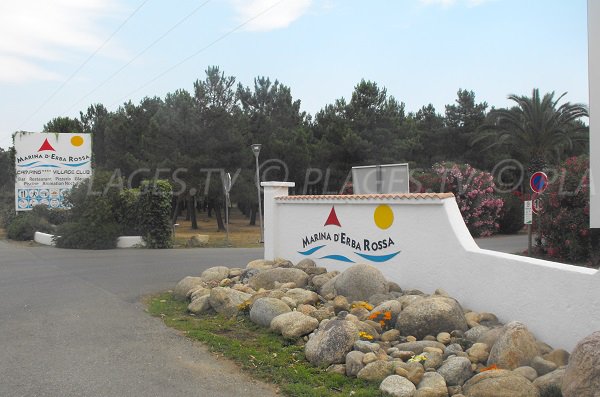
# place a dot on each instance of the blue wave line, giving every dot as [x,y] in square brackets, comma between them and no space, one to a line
[46,166]
[340,258]
[311,251]
[29,164]
[76,164]
[378,258]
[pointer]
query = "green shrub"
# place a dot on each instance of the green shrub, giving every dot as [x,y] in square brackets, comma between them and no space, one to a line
[92,217]
[101,211]
[127,212]
[155,213]
[8,215]
[58,216]
[54,216]
[24,226]
[84,236]
[511,215]
[94,227]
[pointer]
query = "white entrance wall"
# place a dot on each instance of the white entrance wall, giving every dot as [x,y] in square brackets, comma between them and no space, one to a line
[425,244]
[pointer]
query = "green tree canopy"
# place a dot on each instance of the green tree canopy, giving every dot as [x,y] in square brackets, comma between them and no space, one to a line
[64,125]
[538,130]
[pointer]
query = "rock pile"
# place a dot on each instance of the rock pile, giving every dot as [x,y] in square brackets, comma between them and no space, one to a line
[415,345]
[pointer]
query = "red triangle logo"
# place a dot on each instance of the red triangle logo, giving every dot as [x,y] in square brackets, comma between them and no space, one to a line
[46,146]
[332,219]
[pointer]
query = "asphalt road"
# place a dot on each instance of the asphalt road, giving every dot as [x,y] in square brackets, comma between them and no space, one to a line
[511,244]
[71,324]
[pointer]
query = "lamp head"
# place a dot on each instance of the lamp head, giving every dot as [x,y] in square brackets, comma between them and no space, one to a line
[256,148]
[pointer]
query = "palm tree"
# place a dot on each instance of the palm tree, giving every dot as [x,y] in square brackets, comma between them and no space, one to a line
[537,129]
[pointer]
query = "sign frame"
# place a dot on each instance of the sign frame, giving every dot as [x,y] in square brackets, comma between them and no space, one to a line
[381,179]
[47,165]
[534,185]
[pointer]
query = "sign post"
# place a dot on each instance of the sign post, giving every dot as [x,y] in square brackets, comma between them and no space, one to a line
[528,218]
[538,183]
[227,188]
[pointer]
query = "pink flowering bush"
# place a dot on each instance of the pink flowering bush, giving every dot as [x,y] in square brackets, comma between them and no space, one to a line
[474,191]
[564,222]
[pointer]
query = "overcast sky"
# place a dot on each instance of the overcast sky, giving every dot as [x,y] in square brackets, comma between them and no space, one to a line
[58,57]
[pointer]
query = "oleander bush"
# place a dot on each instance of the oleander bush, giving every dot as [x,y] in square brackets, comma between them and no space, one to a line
[564,222]
[474,190]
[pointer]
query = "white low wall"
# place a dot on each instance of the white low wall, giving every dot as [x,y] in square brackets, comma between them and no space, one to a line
[43,238]
[122,242]
[130,241]
[420,241]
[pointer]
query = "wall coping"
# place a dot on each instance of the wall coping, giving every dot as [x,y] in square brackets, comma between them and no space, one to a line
[359,197]
[278,184]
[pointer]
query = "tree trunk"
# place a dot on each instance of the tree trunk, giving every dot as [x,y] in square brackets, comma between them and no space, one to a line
[253,212]
[192,207]
[244,208]
[176,210]
[220,223]
[181,203]
[188,210]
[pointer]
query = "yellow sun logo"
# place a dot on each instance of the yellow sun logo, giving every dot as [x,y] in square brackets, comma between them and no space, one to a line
[383,216]
[77,140]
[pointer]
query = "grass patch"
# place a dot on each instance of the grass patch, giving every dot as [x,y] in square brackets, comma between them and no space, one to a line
[263,354]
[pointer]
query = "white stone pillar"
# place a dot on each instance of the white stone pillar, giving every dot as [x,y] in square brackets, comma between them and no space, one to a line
[271,191]
[594,81]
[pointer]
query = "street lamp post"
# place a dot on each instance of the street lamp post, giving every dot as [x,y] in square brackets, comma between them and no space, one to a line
[256,150]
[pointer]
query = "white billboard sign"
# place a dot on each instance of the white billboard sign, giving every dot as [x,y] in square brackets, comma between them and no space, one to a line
[387,178]
[47,165]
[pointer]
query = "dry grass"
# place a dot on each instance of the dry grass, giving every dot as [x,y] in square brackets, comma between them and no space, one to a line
[241,234]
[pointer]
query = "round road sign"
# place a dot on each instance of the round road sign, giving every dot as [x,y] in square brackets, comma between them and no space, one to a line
[538,182]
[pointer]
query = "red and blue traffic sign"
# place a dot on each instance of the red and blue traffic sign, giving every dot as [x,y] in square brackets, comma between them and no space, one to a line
[538,182]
